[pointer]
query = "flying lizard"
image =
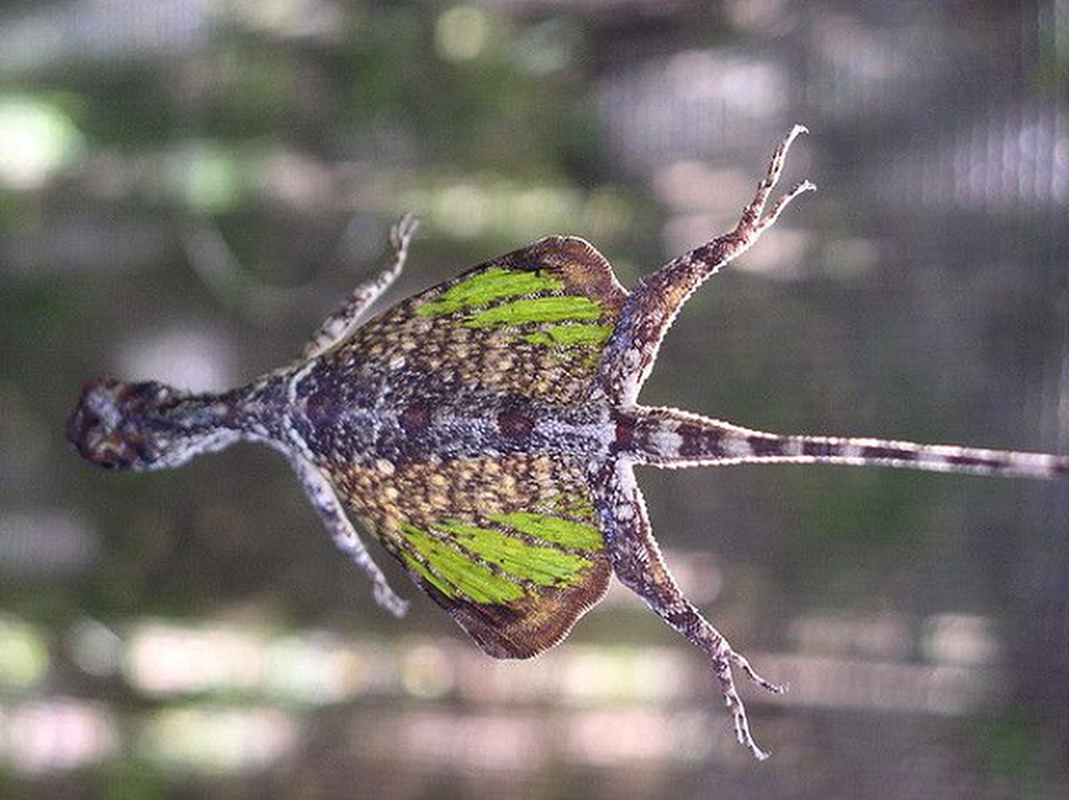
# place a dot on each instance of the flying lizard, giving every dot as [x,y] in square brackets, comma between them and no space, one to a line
[485,431]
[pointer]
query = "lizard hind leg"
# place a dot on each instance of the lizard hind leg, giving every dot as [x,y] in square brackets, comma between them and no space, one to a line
[638,564]
[658,297]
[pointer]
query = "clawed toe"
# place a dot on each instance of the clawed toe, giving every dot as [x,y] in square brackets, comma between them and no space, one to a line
[743,663]
[742,723]
[722,665]
[402,231]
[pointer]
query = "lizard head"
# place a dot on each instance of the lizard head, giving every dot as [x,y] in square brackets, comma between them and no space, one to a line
[112,425]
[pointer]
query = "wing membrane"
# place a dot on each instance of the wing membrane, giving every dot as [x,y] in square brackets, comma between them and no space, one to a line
[509,545]
[532,322]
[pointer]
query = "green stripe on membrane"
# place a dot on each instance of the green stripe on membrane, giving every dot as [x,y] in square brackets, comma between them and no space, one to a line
[565,532]
[543,566]
[570,335]
[456,575]
[487,287]
[536,309]
[572,505]
[452,573]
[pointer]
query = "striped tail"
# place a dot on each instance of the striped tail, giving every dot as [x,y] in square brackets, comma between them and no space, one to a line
[667,437]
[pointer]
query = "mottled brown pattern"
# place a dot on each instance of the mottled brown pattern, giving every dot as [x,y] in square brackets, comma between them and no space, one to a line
[462,488]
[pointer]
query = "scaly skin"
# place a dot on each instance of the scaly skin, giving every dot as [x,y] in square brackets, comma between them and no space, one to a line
[485,431]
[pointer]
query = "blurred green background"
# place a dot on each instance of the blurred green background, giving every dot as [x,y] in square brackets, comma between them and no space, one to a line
[188,186]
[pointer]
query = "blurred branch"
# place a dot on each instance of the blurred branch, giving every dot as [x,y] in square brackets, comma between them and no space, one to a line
[240,291]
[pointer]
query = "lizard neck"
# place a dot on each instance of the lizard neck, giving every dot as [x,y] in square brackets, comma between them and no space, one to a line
[150,425]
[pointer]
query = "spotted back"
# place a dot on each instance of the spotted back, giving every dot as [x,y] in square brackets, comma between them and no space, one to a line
[531,323]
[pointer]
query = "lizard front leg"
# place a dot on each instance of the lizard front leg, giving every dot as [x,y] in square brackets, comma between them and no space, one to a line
[342,321]
[341,530]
